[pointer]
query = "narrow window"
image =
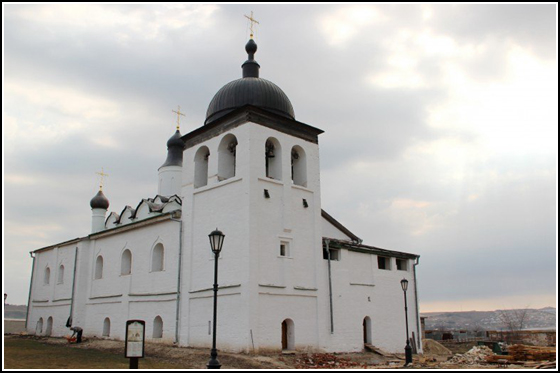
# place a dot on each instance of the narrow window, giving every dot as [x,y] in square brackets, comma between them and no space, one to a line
[39,327]
[227,157]
[299,166]
[47,278]
[402,264]
[201,167]
[60,274]
[384,263]
[334,254]
[106,327]
[283,249]
[48,331]
[273,159]
[99,268]
[126,262]
[157,258]
[158,328]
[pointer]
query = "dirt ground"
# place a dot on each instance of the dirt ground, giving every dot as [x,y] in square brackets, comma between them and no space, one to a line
[29,352]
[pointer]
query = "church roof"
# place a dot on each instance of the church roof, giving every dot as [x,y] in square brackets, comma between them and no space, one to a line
[249,90]
[352,246]
[175,147]
[99,201]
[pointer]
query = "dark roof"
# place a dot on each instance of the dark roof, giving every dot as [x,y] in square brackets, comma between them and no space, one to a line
[175,148]
[341,227]
[368,249]
[250,113]
[249,90]
[99,201]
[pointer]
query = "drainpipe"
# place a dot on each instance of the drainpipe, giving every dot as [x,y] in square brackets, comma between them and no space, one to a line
[177,310]
[327,241]
[70,318]
[32,254]
[418,331]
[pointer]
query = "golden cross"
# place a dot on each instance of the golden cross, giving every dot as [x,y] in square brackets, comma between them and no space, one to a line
[102,175]
[178,115]
[253,21]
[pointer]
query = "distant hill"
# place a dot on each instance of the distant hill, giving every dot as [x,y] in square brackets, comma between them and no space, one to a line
[488,320]
[15,312]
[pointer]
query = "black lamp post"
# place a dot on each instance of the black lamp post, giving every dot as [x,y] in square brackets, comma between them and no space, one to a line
[407,349]
[216,242]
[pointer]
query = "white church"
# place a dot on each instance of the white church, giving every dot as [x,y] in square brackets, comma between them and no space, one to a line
[291,277]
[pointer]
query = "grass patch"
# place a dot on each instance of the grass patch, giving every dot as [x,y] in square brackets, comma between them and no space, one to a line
[35,354]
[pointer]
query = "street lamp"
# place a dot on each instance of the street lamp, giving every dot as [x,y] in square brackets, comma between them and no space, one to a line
[407,349]
[216,242]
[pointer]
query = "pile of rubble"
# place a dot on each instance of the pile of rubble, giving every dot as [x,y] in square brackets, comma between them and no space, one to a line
[325,361]
[476,355]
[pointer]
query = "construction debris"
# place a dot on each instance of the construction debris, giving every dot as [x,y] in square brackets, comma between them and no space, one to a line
[532,353]
[325,361]
[547,365]
[476,355]
[432,347]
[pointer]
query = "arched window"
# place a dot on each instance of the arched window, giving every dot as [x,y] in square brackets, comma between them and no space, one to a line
[201,167]
[157,258]
[288,336]
[106,327]
[48,331]
[158,328]
[273,159]
[47,278]
[39,327]
[99,268]
[126,262]
[60,274]
[227,157]
[299,166]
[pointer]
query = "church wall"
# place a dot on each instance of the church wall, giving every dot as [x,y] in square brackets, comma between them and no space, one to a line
[52,299]
[275,307]
[330,231]
[362,290]
[142,294]
[222,204]
[284,285]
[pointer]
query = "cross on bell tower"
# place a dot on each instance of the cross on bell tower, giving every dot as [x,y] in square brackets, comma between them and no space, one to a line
[253,21]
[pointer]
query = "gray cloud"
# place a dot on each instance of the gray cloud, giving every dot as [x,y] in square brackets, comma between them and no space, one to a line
[490,225]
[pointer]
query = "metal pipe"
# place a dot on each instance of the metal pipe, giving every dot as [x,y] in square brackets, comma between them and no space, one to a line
[32,254]
[327,241]
[407,349]
[73,288]
[419,332]
[178,307]
[214,363]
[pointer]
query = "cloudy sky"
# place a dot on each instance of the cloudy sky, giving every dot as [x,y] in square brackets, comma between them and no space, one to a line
[440,125]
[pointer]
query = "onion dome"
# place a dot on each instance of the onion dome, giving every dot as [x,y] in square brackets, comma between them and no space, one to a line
[175,148]
[99,201]
[249,90]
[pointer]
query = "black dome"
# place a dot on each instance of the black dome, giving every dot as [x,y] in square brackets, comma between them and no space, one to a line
[249,90]
[99,201]
[175,147]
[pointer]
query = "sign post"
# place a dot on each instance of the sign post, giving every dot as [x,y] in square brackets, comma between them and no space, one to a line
[134,341]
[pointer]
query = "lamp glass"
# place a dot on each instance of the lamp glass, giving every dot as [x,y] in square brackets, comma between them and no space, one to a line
[216,241]
[404,284]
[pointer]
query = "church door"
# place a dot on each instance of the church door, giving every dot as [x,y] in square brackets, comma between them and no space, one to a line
[284,335]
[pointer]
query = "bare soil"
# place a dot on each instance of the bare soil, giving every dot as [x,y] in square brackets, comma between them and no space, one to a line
[30,352]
